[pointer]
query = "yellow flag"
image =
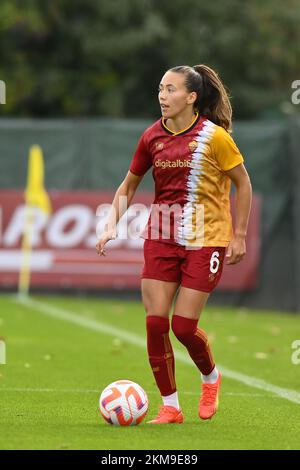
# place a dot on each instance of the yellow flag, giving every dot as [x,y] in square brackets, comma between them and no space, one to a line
[35,196]
[35,193]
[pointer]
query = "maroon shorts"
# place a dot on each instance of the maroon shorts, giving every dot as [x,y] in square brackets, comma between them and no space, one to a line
[198,269]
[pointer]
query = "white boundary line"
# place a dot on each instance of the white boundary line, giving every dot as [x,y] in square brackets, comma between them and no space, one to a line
[149,392]
[65,315]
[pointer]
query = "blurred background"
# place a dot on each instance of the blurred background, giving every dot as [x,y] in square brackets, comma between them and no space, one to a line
[80,80]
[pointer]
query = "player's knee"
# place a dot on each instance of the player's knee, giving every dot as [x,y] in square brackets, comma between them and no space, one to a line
[156,312]
[183,328]
[156,309]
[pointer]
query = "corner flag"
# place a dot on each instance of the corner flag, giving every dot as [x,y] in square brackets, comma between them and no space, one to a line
[35,197]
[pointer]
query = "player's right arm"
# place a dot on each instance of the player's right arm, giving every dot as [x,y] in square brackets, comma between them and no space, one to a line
[126,189]
[140,164]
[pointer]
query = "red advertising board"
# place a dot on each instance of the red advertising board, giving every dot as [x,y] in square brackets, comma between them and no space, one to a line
[63,244]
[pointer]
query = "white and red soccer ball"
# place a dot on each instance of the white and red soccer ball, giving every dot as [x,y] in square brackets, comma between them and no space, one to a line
[123,403]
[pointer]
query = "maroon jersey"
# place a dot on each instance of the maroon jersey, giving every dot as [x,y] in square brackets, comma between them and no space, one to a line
[189,173]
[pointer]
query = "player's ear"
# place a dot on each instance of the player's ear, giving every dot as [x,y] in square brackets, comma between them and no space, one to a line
[192,97]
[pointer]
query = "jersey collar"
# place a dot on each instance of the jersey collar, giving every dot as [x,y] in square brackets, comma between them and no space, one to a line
[184,131]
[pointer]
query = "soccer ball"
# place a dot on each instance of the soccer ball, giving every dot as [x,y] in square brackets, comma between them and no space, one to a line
[123,403]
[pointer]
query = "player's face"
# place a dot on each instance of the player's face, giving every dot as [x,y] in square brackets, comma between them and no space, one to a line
[173,96]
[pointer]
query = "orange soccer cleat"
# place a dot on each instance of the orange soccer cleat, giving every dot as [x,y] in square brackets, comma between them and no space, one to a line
[209,401]
[167,415]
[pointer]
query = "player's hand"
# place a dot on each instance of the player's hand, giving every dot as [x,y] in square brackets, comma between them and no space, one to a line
[236,250]
[106,236]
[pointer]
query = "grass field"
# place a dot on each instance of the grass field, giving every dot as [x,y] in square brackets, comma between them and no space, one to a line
[61,353]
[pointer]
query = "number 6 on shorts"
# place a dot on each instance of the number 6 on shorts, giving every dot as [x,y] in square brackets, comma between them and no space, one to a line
[214,262]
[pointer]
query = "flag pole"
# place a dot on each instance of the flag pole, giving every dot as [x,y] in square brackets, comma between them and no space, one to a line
[26,248]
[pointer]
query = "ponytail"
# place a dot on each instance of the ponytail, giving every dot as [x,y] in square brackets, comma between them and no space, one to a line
[212,98]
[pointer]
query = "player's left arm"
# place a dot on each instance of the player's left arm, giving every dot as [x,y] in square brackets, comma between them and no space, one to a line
[243,196]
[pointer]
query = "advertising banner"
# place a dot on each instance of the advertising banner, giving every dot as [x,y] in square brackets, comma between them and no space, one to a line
[63,251]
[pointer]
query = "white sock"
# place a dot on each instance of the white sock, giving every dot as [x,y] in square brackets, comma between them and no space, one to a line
[171,400]
[212,377]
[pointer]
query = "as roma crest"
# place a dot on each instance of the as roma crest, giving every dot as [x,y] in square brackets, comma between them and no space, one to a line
[159,145]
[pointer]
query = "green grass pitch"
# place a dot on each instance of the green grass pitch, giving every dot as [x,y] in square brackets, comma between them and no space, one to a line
[62,352]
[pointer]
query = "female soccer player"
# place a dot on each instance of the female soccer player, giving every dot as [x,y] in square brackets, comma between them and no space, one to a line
[194,160]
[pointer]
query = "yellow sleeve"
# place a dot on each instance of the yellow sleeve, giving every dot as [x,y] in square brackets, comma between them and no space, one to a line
[225,150]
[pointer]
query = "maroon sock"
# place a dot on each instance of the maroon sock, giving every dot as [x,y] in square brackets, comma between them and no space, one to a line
[196,342]
[160,353]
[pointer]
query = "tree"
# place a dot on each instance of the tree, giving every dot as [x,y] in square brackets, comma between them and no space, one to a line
[90,57]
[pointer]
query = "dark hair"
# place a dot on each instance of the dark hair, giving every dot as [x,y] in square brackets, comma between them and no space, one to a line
[212,98]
